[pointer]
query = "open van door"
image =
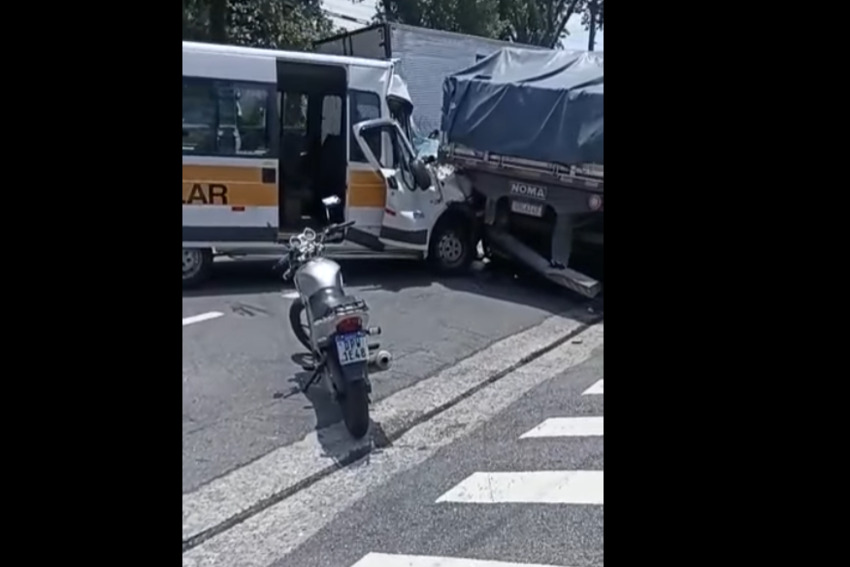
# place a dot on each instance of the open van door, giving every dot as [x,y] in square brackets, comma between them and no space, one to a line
[410,205]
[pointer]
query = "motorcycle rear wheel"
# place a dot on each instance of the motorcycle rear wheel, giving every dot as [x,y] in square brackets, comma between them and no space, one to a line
[296,308]
[355,409]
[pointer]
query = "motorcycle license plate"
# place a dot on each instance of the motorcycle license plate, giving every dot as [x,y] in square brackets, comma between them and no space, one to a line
[351,348]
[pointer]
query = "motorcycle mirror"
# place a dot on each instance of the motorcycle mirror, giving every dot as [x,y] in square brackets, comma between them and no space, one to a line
[420,174]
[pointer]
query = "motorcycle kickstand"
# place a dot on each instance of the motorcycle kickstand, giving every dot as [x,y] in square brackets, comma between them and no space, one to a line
[314,377]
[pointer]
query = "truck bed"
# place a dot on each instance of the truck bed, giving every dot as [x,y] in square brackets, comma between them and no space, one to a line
[536,105]
[586,177]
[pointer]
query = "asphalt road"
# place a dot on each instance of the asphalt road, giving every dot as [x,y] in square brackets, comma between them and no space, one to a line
[240,399]
[403,516]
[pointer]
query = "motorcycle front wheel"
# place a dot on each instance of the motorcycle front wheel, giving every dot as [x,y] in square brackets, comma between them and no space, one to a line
[299,328]
[355,409]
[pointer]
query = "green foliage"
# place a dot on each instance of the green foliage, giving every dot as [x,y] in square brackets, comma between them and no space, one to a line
[295,24]
[600,13]
[534,22]
[476,17]
[281,24]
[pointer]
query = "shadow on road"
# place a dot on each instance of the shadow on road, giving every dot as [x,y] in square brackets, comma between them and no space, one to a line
[335,441]
[501,283]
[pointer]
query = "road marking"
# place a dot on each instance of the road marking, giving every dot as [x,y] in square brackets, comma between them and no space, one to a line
[201,317]
[530,487]
[289,295]
[394,560]
[595,389]
[267,536]
[567,427]
[284,469]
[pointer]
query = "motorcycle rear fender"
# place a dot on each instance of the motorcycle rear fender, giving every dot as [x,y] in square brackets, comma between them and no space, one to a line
[326,328]
[343,375]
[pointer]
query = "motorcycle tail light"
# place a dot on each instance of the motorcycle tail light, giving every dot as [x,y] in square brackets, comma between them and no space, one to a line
[349,325]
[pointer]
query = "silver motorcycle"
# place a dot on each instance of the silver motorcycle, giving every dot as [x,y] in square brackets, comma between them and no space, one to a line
[336,331]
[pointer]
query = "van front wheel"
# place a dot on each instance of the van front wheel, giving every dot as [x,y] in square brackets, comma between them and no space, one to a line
[197,264]
[450,250]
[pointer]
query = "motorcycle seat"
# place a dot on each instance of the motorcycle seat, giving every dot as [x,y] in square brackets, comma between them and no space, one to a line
[324,302]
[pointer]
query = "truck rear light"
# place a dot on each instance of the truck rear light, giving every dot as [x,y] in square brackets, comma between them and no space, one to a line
[349,325]
[594,202]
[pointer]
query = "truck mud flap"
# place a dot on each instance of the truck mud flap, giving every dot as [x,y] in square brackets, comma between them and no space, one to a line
[565,277]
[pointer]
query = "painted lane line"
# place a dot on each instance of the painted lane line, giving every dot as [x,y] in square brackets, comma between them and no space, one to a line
[395,560]
[201,317]
[595,389]
[289,468]
[266,537]
[532,487]
[567,427]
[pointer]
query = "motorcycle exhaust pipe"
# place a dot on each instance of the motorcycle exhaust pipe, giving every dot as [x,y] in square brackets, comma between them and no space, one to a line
[381,360]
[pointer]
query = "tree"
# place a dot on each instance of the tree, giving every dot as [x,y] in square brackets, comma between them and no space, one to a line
[475,17]
[592,18]
[282,24]
[533,22]
[537,22]
[218,10]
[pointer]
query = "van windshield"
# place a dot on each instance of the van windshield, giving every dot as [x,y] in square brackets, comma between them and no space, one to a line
[402,112]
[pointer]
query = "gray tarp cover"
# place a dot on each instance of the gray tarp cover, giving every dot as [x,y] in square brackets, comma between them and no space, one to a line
[540,105]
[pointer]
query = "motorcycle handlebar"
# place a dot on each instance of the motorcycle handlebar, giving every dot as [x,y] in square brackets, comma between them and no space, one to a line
[297,247]
[337,227]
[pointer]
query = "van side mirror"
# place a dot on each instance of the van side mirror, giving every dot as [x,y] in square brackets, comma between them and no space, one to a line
[420,174]
[330,204]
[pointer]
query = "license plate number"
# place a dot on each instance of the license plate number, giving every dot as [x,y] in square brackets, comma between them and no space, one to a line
[529,209]
[351,348]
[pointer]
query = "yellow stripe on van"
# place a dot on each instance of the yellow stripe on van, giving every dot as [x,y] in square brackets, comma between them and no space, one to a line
[243,186]
[366,189]
[227,185]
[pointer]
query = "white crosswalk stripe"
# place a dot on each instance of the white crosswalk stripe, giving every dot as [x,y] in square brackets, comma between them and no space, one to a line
[534,487]
[395,560]
[551,487]
[567,427]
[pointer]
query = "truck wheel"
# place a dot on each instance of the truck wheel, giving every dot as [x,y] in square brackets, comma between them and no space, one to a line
[451,249]
[197,265]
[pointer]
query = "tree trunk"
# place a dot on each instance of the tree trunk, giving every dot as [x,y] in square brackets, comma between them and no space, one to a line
[591,36]
[218,21]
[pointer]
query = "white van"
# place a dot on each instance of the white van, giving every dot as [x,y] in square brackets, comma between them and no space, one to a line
[268,134]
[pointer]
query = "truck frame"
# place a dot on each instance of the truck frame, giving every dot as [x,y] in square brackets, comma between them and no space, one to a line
[535,212]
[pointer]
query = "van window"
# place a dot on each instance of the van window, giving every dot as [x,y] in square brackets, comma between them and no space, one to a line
[200,118]
[364,106]
[223,118]
[331,116]
[293,111]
